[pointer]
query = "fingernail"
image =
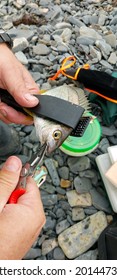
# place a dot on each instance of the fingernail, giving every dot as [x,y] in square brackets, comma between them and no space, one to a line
[12,164]
[31,97]
[3,113]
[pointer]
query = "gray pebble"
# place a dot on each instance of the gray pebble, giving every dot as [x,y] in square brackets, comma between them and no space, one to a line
[49,163]
[64,172]
[58,254]
[61,226]
[82,184]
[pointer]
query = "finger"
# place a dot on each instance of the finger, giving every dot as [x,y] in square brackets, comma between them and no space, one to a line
[9,177]
[13,78]
[32,199]
[10,115]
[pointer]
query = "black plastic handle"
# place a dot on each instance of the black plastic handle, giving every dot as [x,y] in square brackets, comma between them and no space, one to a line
[100,82]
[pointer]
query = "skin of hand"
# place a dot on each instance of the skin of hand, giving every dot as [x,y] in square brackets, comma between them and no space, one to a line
[16,79]
[21,223]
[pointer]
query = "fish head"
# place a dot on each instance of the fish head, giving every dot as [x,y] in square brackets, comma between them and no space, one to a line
[50,133]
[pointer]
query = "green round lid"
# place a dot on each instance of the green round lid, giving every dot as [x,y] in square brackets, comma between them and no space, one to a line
[78,146]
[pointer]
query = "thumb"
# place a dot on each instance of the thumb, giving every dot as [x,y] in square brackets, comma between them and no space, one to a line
[9,177]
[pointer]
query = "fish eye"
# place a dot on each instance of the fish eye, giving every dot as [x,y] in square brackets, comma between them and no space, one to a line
[57,134]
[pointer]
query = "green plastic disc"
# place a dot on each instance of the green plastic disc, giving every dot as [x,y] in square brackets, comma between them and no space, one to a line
[79,146]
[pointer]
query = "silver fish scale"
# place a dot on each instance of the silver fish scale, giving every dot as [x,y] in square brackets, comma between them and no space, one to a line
[72,94]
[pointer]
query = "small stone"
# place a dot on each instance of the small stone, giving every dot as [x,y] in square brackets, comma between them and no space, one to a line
[103,145]
[58,254]
[95,53]
[49,163]
[50,223]
[64,172]
[48,246]
[78,164]
[62,225]
[106,64]
[76,199]
[103,46]
[65,183]
[111,40]
[82,185]
[49,200]
[21,57]
[100,201]
[60,213]
[109,219]
[62,25]
[89,32]
[20,44]
[83,40]
[78,214]
[32,254]
[41,49]
[49,188]
[113,58]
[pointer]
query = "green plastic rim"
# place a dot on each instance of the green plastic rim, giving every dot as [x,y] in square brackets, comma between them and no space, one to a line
[88,142]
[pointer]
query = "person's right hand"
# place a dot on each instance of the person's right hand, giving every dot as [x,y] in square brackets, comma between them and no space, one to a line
[16,79]
[21,223]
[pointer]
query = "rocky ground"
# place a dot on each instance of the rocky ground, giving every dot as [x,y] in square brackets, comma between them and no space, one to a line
[45,32]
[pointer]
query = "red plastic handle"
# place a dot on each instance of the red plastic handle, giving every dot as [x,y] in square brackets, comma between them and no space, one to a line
[15,195]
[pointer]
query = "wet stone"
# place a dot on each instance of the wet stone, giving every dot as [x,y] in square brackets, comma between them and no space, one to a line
[32,254]
[80,237]
[60,191]
[100,201]
[82,185]
[58,254]
[48,246]
[49,188]
[90,210]
[64,172]
[50,223]
[103,145]
[75,199]
[41,49]
[61,226]
[78,214]
[78,164]
[49,200]
[65,183]
[60,213]
[49,163]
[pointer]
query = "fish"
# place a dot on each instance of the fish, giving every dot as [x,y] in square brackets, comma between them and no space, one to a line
[52,133]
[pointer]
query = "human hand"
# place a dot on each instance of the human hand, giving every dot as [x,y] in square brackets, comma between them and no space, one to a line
[18,82]
[21,223]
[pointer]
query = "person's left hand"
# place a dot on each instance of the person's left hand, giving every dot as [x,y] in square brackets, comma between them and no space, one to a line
[20,223]
[16,79]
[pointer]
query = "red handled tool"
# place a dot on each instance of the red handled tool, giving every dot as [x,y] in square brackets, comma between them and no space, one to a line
[32,168]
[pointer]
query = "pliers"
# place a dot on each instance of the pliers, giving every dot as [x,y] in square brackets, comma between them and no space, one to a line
[32,168]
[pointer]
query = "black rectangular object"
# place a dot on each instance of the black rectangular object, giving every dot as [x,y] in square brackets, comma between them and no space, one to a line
[58,110]
[49,107]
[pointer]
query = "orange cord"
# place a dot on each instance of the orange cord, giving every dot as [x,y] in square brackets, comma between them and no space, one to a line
[66,66]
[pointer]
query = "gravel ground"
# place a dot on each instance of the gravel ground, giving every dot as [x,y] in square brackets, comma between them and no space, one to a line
[74,196]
